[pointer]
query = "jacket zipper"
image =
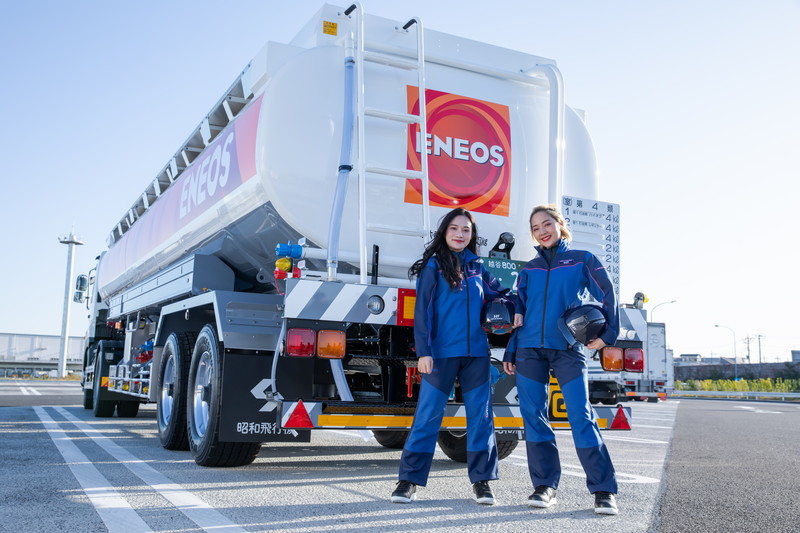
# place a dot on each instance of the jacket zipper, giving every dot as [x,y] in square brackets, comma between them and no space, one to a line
[469,329]
[546,286]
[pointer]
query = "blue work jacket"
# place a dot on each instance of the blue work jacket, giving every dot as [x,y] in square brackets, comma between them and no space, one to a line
[551,283]
[447,321]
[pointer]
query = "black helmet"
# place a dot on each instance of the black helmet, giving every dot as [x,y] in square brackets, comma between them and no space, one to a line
[582,324]
[498,316]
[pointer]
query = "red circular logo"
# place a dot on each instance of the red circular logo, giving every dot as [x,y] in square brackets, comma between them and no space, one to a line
[469,152]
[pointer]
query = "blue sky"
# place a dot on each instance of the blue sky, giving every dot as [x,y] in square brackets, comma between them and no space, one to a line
[692,106]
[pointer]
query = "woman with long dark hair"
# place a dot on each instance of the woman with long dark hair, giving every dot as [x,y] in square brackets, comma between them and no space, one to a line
[452,286]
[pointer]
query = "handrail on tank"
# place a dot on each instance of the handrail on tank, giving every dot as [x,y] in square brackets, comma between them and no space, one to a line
[555,169]
[189,150]
[361,161]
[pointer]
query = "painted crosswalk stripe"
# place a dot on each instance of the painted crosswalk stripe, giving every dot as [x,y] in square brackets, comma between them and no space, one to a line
[195,509]
[115,512]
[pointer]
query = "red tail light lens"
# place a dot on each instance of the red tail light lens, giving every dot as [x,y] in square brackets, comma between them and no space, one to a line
[612,359]
[300,342]
[330,344]
[634,360]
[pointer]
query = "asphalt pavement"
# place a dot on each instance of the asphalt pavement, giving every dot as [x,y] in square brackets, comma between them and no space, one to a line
[733,466]
[688,465]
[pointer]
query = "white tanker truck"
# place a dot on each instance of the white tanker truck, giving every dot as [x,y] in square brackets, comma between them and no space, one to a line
[258,287]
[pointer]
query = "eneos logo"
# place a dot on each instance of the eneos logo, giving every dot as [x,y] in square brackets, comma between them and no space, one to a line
[469,152]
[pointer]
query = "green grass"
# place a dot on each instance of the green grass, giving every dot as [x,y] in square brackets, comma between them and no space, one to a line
[743,385]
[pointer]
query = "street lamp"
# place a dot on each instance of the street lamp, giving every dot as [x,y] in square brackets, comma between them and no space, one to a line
[735,359]
[71,241]
[652,311]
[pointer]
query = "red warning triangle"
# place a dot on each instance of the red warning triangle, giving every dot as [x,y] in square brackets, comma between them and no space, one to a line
[299,417]
[620,420]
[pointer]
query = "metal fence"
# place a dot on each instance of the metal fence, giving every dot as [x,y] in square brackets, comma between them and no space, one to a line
[747,395]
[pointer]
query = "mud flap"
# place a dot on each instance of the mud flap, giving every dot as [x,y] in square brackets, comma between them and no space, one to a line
[247,415]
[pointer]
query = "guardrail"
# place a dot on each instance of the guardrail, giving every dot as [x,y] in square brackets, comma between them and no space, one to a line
[747,395]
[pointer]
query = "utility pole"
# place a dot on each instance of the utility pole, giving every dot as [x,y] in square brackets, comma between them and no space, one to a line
[758,338]
[747,341]
[71,241]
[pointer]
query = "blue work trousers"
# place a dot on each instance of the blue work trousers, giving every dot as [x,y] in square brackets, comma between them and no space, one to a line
[474,378]
[533,376]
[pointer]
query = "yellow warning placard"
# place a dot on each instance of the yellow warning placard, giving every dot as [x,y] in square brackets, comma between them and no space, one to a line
[329,28]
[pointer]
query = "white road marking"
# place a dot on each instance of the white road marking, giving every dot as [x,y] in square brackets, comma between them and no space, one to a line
[577,471]
[115,512]
[349,433]
[30,391]
[195,509]
[756,410]
[634,439]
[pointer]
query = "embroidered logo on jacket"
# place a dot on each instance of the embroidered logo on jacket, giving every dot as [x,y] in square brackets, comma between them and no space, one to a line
[566,262]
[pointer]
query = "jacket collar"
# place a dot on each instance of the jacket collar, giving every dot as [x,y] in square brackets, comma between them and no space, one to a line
[466,256]
[562,246]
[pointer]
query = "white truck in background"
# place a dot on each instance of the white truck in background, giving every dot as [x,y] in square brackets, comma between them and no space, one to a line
[257,289]
[653,379]
[657,380]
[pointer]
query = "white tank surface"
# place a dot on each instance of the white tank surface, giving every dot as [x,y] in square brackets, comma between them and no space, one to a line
[270,174]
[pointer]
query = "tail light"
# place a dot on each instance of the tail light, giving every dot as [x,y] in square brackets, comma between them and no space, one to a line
[300,342]
[330,344]
[634,360]
[406,300]
[611,358]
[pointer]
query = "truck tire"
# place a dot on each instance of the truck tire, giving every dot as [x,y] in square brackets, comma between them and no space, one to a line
[391,439]
[171,397]
[610,401]
[454,446]
[88,398]
[102,408]
[203,408]
[127,409]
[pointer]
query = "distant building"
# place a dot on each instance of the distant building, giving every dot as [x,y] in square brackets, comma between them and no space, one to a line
[687,359]
[795,356]
[44,349]
[716,360]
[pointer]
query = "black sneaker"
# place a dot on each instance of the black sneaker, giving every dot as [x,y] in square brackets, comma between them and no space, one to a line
[605,503]
[483,494]
[543,496]
[406,492]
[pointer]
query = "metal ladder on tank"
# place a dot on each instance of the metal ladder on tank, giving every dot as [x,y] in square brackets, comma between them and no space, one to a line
[388,59]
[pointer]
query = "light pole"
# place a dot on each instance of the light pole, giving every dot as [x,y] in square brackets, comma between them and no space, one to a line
[735,359]
[71,241]
[652,311]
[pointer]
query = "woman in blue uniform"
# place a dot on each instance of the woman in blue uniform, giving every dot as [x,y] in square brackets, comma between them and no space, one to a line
[452,286]
[549,285]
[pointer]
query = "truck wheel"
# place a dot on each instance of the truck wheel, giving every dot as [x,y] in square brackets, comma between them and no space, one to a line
[609,401]
[203,408]
[88,398]
[454,446]
[102,408]
[391,439]
[171,398]
[127,409]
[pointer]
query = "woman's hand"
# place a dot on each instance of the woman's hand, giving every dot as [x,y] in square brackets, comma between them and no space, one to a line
[508,368]
[517,320]
[425,364]
[596,344]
